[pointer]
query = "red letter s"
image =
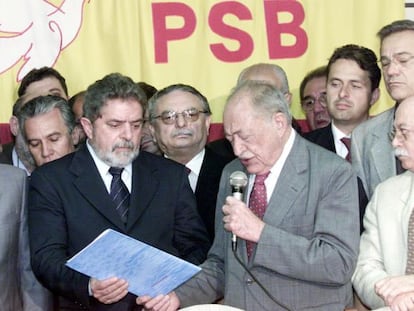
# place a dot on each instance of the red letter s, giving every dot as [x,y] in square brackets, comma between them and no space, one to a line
[215,20]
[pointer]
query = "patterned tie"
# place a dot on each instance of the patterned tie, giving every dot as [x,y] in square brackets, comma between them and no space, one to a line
[257,204]
[119,193]
[409,269]
[347,142]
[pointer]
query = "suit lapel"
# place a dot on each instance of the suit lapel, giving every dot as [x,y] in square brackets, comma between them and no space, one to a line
[89,183]
[288,185]
[145,182]
[382,148]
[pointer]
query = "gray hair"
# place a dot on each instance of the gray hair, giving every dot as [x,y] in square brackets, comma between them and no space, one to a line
[152,103]
[264,97]
[394,27]
[112,86]
[278,71]
[43,104]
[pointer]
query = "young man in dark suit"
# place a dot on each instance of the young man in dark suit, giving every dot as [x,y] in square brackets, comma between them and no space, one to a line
[353,78]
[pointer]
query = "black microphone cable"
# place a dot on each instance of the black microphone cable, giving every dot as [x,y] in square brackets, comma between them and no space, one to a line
[268,294]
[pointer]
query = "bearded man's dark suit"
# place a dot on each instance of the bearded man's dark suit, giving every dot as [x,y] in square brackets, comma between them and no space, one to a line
[6,155]
[324,138]
[207,187]
[70,206]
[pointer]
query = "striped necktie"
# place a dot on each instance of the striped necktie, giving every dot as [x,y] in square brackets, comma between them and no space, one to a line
[119,193]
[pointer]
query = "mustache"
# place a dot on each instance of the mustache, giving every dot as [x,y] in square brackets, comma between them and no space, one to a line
[400,152]
[124,144]
[182,132]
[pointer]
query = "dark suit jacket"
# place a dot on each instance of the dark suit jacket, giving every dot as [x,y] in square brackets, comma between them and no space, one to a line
[70,206]
[324,138]
[6,154]
[207,187]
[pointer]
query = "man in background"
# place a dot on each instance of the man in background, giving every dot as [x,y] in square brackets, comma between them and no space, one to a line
[372,153]
[48,126]
[179,121]
[312,92]
[37,82]
[353,78]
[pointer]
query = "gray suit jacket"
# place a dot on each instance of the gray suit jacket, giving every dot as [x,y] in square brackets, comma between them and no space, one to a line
[20,289]
[308,249]
[372,153]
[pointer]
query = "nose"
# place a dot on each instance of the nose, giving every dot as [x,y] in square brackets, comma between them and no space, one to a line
[47,150]
[396,142]
[344,91]
[127,131]
[238,147]
[318,107]
[180,121]
[392,69]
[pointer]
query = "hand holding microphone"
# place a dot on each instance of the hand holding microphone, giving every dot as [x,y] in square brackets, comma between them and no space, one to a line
[238,182]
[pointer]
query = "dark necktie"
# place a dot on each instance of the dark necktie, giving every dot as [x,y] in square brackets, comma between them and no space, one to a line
[119,193]
[347,142]
[257,204]
[409,269]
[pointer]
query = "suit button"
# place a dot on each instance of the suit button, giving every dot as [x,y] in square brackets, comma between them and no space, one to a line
[249,281]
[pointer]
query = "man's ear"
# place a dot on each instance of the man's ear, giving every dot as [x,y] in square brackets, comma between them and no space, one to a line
[87,127]
[14,125]
[76,135]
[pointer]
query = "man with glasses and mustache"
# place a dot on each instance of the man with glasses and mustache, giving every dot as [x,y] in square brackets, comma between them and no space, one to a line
[72,200]
[372,153]
[179,121]
[384,275]
[312,93]
[352,87]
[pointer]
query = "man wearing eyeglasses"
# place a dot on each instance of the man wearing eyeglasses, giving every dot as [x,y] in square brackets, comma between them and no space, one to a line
[312,93]
[179,121]
[384,275]
[372,152]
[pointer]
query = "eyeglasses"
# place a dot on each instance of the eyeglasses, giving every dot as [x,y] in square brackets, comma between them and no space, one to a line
[401,134]
[308,103]
[189,115]
[401,60]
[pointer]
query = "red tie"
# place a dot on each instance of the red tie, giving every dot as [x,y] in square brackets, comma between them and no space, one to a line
[347,142]
[257,204]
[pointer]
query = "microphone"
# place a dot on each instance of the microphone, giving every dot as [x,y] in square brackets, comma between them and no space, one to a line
[238,181]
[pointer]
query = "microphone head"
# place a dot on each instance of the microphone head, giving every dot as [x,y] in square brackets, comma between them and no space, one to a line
[238,179]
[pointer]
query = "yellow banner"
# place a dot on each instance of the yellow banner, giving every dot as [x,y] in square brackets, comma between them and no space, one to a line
[204,43]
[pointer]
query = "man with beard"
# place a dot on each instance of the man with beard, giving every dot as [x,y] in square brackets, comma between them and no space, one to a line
[72,200]
[384,275]
[353,78]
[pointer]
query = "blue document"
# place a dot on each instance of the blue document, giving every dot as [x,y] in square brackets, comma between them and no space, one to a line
[148,270]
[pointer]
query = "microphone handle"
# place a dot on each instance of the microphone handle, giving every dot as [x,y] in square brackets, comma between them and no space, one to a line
[238,195]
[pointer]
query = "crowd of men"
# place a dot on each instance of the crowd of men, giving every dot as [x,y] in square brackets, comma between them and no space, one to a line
[325,221]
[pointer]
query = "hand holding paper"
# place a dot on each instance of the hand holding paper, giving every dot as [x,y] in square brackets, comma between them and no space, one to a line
[147,270]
